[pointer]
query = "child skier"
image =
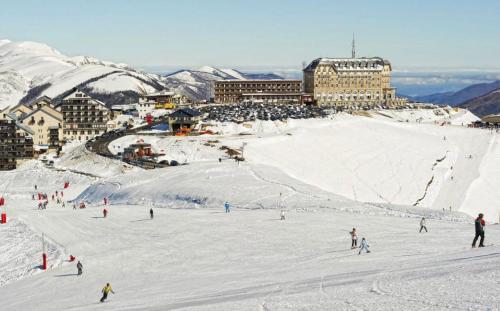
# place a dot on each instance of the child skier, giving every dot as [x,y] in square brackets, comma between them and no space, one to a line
[105,291]
[364,246]
[227,207]
[79,266]
[354,238]
[422,225]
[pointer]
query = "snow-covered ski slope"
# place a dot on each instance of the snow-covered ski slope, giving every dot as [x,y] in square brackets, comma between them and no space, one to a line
[193,256]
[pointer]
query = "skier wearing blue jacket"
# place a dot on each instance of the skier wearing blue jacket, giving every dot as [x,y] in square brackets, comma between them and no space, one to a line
[364,246]
[227,207]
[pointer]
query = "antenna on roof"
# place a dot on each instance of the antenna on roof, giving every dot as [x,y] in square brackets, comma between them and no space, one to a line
[353,51]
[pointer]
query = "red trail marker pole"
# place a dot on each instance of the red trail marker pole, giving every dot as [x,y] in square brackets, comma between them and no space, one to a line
[44,254]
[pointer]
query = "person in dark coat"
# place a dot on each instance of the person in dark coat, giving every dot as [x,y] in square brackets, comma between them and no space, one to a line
[479,225]
[79,266]
[151,212]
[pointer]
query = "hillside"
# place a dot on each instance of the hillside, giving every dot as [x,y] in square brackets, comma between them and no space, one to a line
[29,70]
[484,105]
[328,175]
[461,96]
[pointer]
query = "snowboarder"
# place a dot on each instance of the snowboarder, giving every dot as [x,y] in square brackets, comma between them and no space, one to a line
[364,246]
[105,291]
[227,207]
[105,212]
[79,266]
[354,238]
[479,226]
[282,215]
[151,213]
[422,225]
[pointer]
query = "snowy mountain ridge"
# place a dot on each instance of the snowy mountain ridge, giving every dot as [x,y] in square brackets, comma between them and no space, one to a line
[30,69]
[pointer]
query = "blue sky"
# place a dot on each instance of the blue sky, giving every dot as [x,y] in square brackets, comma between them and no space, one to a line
[238,33]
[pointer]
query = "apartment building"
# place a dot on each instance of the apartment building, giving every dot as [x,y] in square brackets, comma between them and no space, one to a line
[16,144]
[267,91]
[84,117]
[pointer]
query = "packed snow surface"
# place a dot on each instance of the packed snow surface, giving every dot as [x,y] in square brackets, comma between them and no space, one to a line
[194,256]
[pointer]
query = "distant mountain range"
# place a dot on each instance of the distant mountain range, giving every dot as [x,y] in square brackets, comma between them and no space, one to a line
[481,99]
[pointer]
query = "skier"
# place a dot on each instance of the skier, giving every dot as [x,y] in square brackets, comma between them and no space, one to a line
[220,160]
[105,212]
[105,201]
[282,215]
[422,225]
[354,238]
[74,205]
[227,207]
[105,291]
[79,266]
[36,187]
[364,246]
[62,194]
[32,196]
[151,213]
[479,225]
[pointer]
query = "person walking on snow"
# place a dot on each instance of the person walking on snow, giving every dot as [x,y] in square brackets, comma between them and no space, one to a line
[79,266]
[479,226]
[422,225]
[354,238]
[105,212]
[364,246]
[151,213]
[282,215]
[227,207]
[105,291]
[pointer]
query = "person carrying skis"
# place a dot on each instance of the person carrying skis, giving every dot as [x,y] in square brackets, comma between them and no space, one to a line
[105,291]
[151,213]
[79,266]
[354,238]
[105,212]
[282,215]
[364,246]
[227,207]
[479,226]
[422,225]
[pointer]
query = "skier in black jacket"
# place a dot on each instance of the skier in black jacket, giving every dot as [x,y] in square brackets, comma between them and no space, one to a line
[479,225]
[79,266]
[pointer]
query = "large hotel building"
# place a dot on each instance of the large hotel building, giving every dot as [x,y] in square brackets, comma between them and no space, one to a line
[268,91]
[350,81]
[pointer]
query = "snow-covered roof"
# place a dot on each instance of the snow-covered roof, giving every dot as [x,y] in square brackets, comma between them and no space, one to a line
[350,64]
